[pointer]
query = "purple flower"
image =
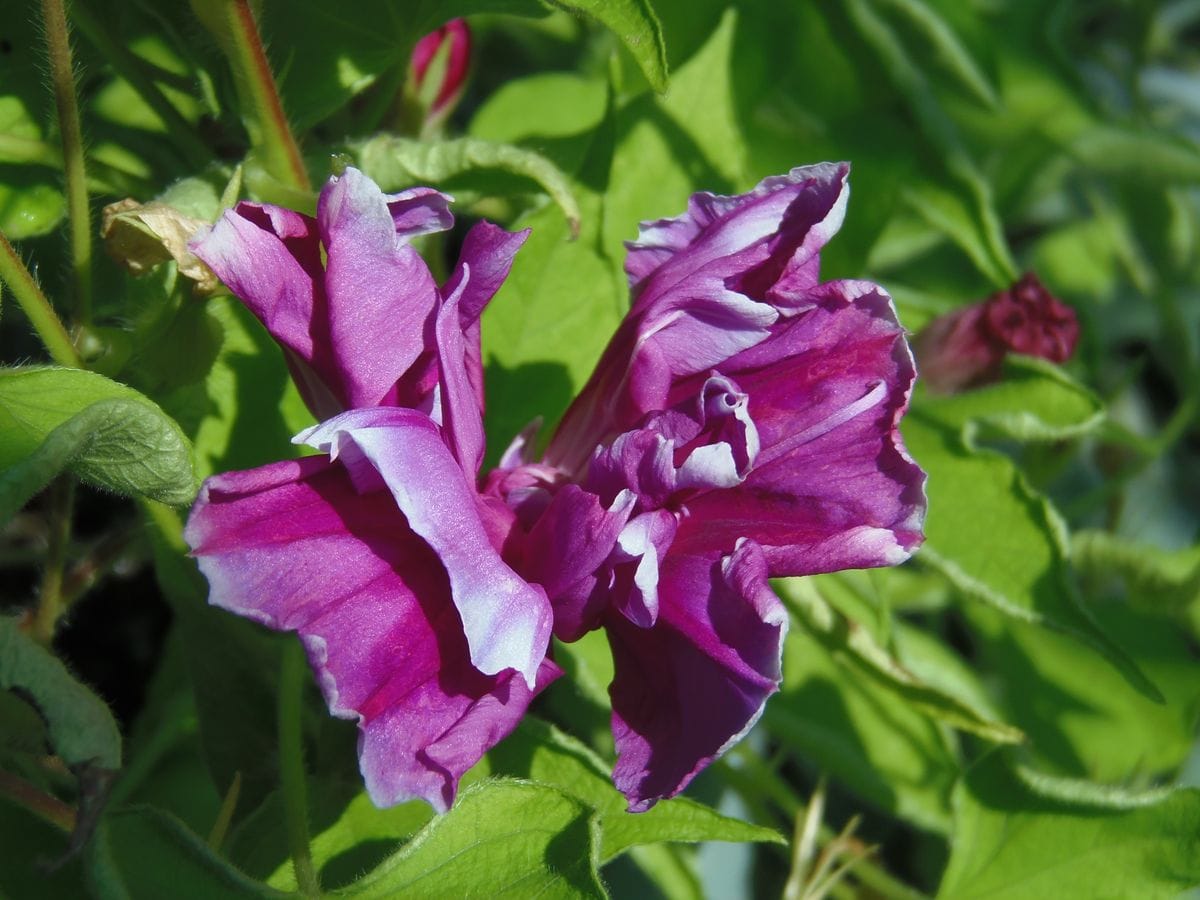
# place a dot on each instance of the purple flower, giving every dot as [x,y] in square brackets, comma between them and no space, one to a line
[742,424]
[966,348]
[381,553]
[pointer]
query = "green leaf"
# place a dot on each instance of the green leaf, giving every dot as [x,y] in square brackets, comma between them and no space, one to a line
[1141,155]
[233,664]
[108,434]
[548,324]
[987,531]
[948,48]
[502,838]
[360,825]
[669,147]
[849,641]
[1082,716]
[397,162]
[1159,579]
[1035,401]
[635,23]
[247,409]
[1011,840]
[31,202]
[80,726]
[552,112]
[852,728]
[543,754]
[951,214]
[142,852]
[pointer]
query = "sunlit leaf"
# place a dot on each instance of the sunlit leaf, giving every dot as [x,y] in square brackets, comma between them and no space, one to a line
[501,839]
[1013,841]
[108,434]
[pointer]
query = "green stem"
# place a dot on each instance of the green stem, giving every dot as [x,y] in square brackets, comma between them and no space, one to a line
[46,807]
[41,314]
[131,68]
[50,600]
[291,768]
[62,77]
[253,72]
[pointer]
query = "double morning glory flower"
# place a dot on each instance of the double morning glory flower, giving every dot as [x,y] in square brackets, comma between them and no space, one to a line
[742,424]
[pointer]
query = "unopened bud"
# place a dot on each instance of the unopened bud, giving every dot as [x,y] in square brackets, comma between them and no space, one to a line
[966,348]
[438,70]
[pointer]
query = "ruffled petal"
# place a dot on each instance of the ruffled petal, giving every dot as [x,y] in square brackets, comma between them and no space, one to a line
[295,547]
[418,211]
[380,293]
[635,565]
[707,286]
[461,412]
[488,252]
[507,621]
[270,259]
[567,547]
[832,486]
[691,686]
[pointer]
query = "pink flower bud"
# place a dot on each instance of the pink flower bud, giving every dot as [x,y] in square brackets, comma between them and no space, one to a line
[966,348]
[453,40]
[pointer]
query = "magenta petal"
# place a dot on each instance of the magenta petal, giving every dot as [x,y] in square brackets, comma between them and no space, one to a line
[691,686]
[418,211]
[833,486]
[488,253]
[635,564]
[707,286]
[380,293]
[461,411]
[295,547]
[507,621]
[566,547]
[270,258]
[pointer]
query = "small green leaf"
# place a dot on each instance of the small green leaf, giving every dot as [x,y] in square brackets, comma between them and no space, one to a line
[540,752]
[1141,155]
[397,162]
[951,214]
[635,23]
[502,838]
[1035,401]
[947,47]
[142,852]
[108,434]
[1015,840]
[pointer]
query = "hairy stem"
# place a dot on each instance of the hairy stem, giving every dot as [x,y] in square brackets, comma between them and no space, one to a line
[62,78]
[50,596]
[291,768]
[281,155]
[36,307]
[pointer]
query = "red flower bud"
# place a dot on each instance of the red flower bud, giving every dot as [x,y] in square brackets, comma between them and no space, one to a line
[454,41]
[966,348]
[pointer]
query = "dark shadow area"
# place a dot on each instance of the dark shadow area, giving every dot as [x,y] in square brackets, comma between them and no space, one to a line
[517,396]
